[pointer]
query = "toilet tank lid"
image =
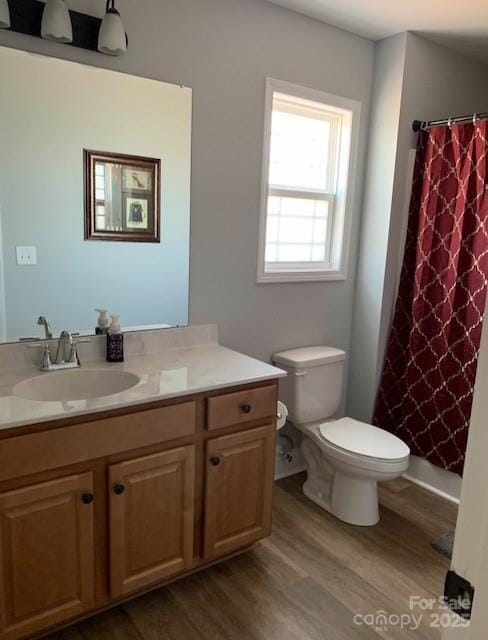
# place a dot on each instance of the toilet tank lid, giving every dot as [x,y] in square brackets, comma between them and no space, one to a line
[309,356]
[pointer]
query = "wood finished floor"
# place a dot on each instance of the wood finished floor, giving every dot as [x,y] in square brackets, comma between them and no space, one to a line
[305,582]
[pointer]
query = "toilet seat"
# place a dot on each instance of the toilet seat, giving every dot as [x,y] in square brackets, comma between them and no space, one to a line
[363,440]
[350,456]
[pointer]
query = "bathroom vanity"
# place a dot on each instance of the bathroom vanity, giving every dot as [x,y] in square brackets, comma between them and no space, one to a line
[104,498]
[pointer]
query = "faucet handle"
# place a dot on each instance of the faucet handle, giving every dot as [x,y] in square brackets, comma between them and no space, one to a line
[74,357]
[46,356]
[46,359]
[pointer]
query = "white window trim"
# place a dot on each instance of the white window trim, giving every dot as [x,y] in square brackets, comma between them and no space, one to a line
[341,237]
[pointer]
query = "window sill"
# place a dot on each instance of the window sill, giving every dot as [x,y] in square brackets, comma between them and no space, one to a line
[307,276]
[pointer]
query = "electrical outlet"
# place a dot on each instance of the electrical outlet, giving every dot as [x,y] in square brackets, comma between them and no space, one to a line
[26,256]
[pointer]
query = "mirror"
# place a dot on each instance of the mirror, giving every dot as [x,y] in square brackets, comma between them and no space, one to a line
[94,197]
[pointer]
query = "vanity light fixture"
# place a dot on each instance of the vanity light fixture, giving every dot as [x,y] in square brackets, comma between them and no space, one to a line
[53,20]
[4,15]
[112,38]
[56,22]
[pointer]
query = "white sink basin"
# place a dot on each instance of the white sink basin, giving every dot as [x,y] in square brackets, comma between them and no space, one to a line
[80,384]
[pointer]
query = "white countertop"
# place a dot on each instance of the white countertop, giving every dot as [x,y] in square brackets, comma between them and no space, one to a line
[169,373]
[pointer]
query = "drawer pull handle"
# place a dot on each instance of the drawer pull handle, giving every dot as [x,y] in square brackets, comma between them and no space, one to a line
[215,461]
[87,498]
[119,489]
[246,408]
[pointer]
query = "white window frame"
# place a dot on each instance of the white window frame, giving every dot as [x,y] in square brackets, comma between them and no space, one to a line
[340,214]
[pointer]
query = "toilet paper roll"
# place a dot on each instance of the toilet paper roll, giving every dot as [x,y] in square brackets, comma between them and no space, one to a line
[281,415]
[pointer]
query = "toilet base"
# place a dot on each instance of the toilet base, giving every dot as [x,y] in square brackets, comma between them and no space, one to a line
[355,500]
[354,505]
[351,497]
[316,496]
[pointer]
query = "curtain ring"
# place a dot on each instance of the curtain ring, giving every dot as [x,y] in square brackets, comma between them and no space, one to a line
[475,117]
[449,123]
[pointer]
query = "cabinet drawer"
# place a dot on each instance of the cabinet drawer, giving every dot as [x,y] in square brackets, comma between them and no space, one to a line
[241,407]
[92,440]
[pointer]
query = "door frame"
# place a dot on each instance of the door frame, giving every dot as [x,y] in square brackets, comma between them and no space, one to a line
[470,556]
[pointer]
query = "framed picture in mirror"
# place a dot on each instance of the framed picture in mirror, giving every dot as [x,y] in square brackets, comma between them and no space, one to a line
[122,197]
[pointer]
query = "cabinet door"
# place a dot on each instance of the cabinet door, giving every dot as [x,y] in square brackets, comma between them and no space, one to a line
[238,490]
[151,518]
[46,546]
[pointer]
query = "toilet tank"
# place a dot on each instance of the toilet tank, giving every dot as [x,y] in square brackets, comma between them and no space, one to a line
[312,391]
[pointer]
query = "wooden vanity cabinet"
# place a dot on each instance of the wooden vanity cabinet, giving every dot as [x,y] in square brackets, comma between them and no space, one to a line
[238,490]
[151,518]
[47,553]
[174,487]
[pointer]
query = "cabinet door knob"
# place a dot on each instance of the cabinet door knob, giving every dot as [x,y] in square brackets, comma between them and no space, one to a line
[87,498]
[246,408]
[119,489]
[215,461]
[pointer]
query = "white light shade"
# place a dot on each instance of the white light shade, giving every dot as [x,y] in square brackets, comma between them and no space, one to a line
[4,15]
[56,22]
[112,39]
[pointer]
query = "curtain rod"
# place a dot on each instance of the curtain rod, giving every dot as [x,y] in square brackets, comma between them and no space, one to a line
[418,125]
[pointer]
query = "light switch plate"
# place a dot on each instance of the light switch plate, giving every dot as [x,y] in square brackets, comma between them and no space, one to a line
[26,256]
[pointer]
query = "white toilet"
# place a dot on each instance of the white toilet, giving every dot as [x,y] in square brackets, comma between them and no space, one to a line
[345,458]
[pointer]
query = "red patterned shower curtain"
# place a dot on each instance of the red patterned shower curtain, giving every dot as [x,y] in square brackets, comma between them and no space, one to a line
[426,389]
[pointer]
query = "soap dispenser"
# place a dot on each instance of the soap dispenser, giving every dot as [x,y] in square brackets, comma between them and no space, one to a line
[115,341]
[103,322]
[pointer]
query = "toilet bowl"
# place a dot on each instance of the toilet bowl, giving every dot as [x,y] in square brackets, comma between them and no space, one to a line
[345,458]
[345,461]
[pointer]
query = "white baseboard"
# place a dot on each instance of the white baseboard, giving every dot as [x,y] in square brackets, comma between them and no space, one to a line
[289,471]
[429,487]
[434,479]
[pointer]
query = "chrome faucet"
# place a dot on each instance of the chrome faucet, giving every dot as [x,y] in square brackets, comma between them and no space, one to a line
[63,360]
[42,321]
[65,340]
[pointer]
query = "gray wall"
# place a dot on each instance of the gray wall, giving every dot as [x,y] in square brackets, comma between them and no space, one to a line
[224,49]
[379,184]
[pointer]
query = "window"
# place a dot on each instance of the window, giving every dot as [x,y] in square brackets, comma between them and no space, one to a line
[308,161]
